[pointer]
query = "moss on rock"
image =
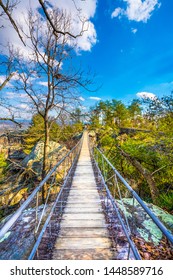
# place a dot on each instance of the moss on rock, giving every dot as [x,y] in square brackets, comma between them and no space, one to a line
[140,222]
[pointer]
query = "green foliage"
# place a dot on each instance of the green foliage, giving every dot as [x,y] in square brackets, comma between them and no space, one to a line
[112,113]
[69,131]
[135,108]
[34,133]
[3,161]
[95,119]
[166,201]
[57,133]
[150,143]
[115,114]
[76,115]
[3,165]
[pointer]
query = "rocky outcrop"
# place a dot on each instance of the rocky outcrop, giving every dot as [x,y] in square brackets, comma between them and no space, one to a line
[34,159]
[92,133]
[141,223]
[11,193]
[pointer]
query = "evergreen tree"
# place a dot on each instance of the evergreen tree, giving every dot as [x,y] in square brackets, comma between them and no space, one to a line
[34,133]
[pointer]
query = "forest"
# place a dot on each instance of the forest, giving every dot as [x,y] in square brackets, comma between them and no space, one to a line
[137,139]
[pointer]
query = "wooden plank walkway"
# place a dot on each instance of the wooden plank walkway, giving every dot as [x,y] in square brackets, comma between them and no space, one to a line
[83,232]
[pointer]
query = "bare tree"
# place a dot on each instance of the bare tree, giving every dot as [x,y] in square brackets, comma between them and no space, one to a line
[6,10]
[47,75]
[8,6]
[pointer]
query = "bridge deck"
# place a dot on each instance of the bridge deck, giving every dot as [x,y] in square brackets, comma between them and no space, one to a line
[83,233]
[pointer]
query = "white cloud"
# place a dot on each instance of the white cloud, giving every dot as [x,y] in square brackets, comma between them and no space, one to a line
[16,96]
[87,11]
[117,12]
[24,106]
[137,10]
[94,98]
[25,97]
[10,94]
[19,110]
[81,98]
[24,109]
[134,30]
[2,78]
[146,95]
[88,39]
[43,84]
[82,107]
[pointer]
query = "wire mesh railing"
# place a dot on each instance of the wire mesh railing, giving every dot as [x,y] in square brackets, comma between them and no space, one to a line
[126,204]
[31,218]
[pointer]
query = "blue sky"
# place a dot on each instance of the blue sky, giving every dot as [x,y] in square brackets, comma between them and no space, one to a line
[126,62]
[128,45]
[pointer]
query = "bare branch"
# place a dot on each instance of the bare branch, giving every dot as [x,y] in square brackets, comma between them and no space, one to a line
[11,120]
[162,167]
[7,80]
[56,31]
[6,11]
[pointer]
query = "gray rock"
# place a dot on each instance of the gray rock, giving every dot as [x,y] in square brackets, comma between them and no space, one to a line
[34,159]
[141,223]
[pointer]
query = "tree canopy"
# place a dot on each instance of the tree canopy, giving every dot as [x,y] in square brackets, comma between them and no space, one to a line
[138,140]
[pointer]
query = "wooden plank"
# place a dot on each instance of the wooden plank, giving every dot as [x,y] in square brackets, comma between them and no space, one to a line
[84,243]
[80,193]
[83,192]
[83,254]
[83,216]
[79,181]
[86,200]
[83,210]
[83,205]
[87,197]
[83,186]
[84,232]
[83,223]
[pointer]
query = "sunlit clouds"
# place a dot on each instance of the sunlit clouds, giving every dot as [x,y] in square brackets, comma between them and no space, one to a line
[137,10]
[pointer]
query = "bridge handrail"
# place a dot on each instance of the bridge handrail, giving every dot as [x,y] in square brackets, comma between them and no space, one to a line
[159,224]
[37,243]
[19,211]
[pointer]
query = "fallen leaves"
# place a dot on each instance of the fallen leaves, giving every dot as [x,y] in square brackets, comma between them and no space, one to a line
[149,251]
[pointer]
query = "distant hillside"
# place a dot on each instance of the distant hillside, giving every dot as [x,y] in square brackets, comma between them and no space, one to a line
[8,125]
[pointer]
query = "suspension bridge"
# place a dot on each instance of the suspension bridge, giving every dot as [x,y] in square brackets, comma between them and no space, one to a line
[84,215]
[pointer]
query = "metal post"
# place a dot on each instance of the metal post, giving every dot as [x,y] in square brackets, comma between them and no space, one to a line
[36,214]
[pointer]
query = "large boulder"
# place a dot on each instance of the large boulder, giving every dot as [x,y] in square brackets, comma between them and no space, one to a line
[92,133]
[142,224]
[34,159]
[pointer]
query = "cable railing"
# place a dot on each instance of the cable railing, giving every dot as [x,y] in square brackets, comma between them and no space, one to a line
[33,207]
[118,191]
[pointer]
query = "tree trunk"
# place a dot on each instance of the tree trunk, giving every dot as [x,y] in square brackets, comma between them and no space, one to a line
[45,156]
[146,174]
